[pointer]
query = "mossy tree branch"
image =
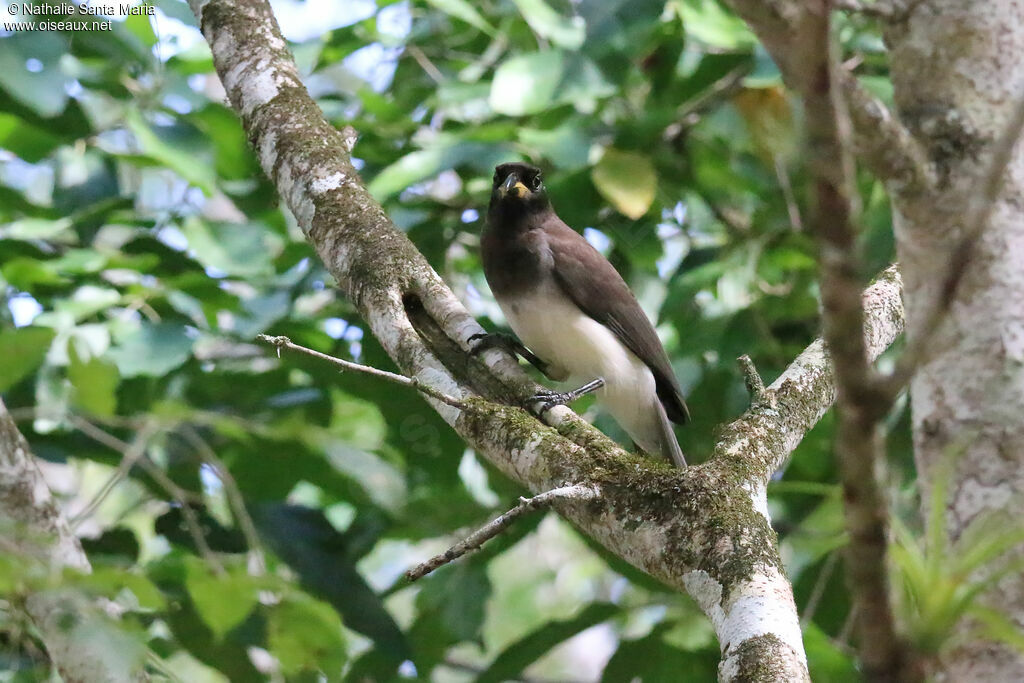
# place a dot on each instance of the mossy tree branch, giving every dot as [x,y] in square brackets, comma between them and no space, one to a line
[704,529]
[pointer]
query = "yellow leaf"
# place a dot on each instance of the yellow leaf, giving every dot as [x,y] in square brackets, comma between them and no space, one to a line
[627,180]
[769,119]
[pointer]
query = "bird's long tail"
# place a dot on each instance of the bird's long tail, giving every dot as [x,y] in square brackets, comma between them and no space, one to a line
[669,444]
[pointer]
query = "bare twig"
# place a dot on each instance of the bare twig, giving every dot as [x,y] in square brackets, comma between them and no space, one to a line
[425,64]
[152,469]
[818,591]
[859,444]
[130,454]
[879,8]
[983,203]
[795,221]
[413,382]
[882,9]
[233,494]
[134,453]
[754,383]
[500,523]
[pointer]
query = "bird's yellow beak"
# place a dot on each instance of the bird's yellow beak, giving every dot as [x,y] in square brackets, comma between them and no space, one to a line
[513,187]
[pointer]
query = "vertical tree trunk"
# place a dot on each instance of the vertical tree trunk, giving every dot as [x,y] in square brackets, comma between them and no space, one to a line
[958,72]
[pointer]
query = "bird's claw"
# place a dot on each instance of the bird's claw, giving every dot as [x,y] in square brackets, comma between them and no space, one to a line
[550,399]
[491,340]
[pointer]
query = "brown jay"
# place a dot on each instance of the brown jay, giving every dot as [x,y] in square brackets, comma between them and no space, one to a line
[574,312]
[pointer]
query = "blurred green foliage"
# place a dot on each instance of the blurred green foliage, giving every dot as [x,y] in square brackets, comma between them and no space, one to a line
[141,250]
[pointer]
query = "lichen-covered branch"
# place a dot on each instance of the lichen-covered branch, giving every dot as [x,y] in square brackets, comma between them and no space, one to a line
[704,530]
[760,440]
[37,530]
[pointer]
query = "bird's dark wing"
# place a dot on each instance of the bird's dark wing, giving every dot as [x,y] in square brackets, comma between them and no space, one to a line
[576,263]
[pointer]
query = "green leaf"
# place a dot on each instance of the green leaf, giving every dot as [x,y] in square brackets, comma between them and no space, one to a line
[709,23]
[651,660]
[152,349]
[110,581]
[460,9]
[531,83]
[532,646]
[95,381]
[234,157]
[455,597]
[237,249]
[306,636]
[25,273]
[825,660]
[185,165]
[43,89]
[306,541]
[27,141]
[567,32]
[222,601]
[627,180]
[567,146]
[421,165]
[23,350]
[140,26]
[36,229]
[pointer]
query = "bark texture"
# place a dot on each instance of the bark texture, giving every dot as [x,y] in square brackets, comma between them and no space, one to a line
[38,530]
[958,73]
[704,529]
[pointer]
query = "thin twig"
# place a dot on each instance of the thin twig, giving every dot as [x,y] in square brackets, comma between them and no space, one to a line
[130,454]
[792,209]
[152,469]
[752,379]
[880,8]
[233,494]
[425,64]
[983,203]
[500,523]
[281,342]
[180,495]
[859,446]
[818,591]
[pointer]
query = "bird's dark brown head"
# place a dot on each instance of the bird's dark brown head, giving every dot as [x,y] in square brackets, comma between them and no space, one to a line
[517,193]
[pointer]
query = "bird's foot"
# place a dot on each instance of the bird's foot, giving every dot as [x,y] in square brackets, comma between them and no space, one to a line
[494,340]
[507,343]
[549,399]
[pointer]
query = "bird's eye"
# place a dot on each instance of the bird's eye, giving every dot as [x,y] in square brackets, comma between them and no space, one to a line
[536,182]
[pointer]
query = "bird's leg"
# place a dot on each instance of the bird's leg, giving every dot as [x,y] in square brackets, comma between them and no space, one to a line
[500,340]
[550,399]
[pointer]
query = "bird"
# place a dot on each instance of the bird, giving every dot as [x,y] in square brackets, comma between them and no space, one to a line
[575,317]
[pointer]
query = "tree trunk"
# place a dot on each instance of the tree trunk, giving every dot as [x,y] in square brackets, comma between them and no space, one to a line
[33,522]
[958,72]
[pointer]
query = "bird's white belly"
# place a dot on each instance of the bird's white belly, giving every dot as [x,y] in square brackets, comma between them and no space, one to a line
[553,327]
